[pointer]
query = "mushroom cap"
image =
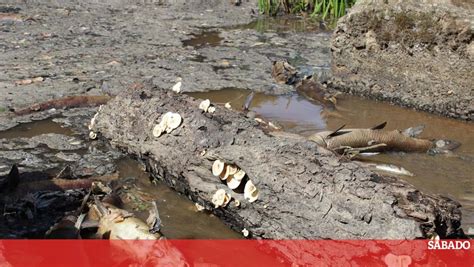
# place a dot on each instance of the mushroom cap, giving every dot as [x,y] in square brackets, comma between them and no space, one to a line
[233,183]
[204,105]
[236,203]
[232,169]
[211,109]
[173,120]
[177,87]
[228,171]
[159,129]
[250,192]
[239,175]
[227,105]
[92,135]
[219,198]
[218,167]
[227,199]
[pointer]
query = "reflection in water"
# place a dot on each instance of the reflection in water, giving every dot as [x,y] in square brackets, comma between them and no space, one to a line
[442,174]
[179,216]
[292,112]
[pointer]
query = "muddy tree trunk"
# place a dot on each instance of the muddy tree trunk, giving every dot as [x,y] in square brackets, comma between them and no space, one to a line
[305,192]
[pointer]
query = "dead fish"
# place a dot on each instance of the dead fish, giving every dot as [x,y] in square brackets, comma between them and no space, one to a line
[376,139]
[115,223]
[390,168]
[283,72]
[315,91]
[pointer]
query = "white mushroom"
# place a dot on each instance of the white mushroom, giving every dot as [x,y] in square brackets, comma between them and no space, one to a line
[250,192]
[245,232]
[227,105]
[92,135]
[236,203]
[211,109]
[229,170]
[234,180]
[204,105]
[173,121]
[239,175]
[218,167]
[159,128]
[168,123]
[92,124]
[177,87]
[220,198]
[199,207]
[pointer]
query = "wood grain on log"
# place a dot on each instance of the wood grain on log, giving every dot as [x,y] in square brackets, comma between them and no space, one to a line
[305,191]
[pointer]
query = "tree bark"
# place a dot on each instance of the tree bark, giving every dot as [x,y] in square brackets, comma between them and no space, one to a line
[305,191]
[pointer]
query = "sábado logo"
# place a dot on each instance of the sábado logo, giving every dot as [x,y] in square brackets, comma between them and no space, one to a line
[448,244]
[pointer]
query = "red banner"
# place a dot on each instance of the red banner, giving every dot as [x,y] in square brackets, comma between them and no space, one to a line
[236,253]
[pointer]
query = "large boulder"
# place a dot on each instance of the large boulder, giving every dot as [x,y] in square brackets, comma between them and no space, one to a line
[414,53]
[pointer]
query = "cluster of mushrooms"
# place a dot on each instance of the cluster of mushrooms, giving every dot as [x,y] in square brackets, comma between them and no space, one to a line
[169,122]
[234,177]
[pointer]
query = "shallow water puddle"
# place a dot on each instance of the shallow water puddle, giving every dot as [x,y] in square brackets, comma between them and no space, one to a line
[179,216]
[35,128]
[207,38]
[290,111]
[442,174]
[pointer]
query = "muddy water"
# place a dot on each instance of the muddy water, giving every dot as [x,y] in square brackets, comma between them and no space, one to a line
[179,216]
[209,38]
[442,174]
[35,128]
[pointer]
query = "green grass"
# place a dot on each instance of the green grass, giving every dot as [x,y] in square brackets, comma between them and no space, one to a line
[324,9]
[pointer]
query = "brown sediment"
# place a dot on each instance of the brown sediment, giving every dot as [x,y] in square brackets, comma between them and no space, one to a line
[66,102]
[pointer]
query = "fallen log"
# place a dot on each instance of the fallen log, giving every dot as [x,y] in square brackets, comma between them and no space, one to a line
[304,191]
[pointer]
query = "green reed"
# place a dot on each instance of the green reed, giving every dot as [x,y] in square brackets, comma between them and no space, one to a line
[325,9]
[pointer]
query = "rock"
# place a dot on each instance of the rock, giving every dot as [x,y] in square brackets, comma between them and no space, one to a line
[412,51]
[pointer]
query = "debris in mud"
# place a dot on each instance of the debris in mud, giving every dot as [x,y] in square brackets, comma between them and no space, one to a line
[29,81]
[283,72]
[65,103]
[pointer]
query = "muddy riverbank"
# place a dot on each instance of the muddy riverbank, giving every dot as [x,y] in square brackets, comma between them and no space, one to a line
[415,54]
